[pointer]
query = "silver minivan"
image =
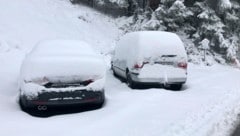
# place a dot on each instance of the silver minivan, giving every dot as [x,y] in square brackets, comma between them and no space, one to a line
[151,57]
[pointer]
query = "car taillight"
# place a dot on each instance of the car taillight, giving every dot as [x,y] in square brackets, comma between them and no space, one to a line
[182,65]
[87,82]
[137,66]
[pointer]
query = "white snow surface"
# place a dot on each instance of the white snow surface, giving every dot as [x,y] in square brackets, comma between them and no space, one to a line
[208,105]
[63,60]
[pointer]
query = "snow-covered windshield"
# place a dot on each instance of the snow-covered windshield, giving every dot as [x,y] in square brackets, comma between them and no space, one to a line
[159,44]
[68,48]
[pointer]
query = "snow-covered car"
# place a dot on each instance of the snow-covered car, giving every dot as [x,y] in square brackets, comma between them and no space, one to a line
[62,73]
[151,57]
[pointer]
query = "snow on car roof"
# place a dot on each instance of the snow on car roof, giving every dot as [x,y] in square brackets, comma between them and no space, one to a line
[156,38]
[75,60]
[63,48]
[149,44]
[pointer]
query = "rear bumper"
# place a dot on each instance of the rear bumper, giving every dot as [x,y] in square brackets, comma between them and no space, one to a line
[175,80]
[57,99]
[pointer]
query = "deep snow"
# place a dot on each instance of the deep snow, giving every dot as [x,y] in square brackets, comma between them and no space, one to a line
[61,61]
[207,106]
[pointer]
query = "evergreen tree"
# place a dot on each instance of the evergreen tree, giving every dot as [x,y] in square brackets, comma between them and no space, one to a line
[214,20]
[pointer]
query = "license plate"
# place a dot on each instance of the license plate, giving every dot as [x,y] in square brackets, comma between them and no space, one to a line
[165,63]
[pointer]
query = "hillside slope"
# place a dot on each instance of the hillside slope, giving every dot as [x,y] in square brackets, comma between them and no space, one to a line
[27,22]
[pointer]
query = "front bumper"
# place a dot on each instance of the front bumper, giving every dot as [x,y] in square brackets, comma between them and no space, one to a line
[78,97]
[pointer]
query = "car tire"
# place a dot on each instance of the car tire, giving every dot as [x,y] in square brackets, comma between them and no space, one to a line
[99,105]
[175,87]
[130,82]
[22,103]
[114,72]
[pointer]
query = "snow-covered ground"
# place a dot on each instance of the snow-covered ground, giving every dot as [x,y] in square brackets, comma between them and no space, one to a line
[207,106]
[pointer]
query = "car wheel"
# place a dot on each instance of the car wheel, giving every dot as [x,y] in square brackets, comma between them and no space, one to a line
[99,105]
[114,72]
[130,82]
[22,103]
[175,87]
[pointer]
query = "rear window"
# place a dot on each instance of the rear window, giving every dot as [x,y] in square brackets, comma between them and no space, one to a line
[159,44]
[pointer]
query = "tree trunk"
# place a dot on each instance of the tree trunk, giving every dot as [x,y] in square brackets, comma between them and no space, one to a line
[153,4]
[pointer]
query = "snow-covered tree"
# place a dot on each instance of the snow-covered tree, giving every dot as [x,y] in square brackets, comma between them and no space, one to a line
[215,20]
[174,16]
[219,5]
